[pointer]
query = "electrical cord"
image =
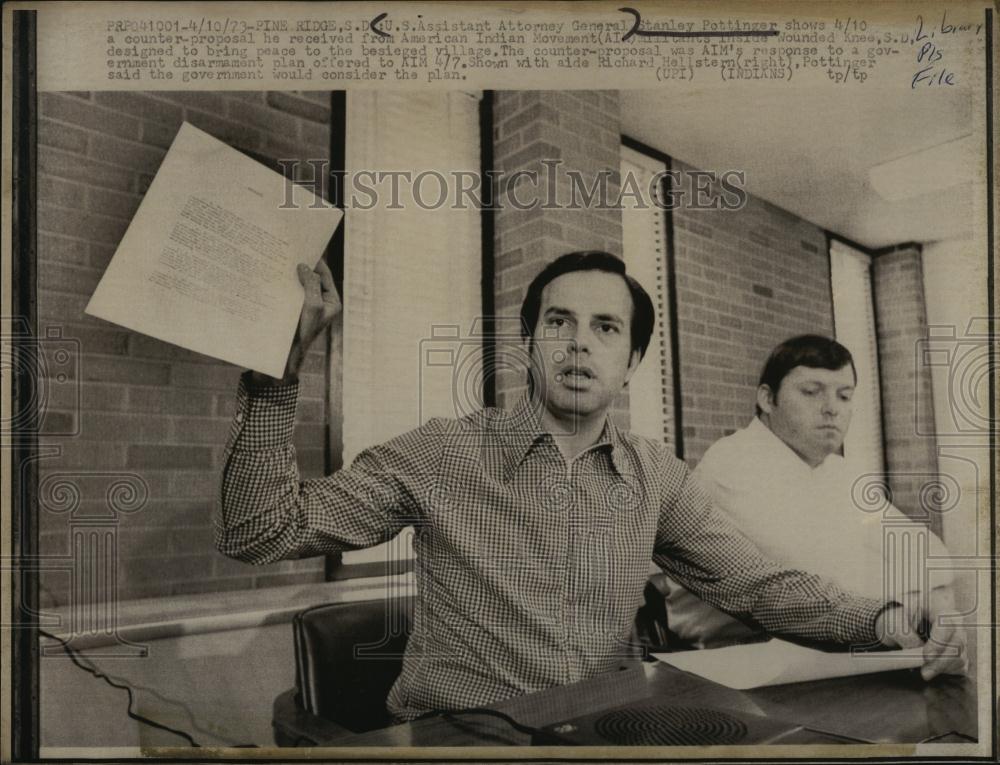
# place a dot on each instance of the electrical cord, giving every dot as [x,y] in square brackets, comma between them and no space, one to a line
[950,734]
[167,700]
[447,713]
[76,658]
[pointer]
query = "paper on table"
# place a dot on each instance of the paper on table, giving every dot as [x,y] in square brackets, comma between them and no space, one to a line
[777,662]
[209,260]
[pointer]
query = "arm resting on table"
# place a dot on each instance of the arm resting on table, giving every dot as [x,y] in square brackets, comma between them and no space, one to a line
[706,553]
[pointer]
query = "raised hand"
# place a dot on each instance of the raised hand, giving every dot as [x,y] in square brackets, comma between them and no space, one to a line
[321,305]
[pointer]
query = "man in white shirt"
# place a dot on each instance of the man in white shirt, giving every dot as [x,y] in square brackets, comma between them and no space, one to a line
[783,482]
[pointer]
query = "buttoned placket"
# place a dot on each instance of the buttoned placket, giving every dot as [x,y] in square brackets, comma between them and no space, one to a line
[557,471]
[577,544]
[569,608]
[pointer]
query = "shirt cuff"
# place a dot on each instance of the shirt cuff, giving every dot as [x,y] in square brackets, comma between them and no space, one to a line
[265,415]
[858,617]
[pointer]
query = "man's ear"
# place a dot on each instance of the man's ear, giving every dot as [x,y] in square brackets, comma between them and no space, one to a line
[633,364]
[764,399]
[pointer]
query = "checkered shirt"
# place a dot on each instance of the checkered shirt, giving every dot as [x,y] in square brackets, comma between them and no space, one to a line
[529,569]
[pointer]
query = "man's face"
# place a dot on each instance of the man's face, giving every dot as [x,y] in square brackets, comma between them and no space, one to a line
[582,343]
[812,410]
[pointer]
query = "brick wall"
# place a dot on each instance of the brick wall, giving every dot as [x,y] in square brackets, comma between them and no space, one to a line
[146,413]
[746,280]
[581,130]
[907,412]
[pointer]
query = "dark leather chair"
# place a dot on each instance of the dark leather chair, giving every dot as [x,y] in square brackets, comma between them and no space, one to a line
[651,623]
[347,656]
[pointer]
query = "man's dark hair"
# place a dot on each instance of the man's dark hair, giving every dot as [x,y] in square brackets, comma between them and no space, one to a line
[815,351]
[643,315]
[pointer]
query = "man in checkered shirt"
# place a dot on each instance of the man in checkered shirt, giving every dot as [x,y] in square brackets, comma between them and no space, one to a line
[535,526]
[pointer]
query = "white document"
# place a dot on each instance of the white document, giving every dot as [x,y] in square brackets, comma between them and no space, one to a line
[777,662]
[209,260]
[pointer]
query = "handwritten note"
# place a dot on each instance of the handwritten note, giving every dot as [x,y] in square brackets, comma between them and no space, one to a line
[932,40]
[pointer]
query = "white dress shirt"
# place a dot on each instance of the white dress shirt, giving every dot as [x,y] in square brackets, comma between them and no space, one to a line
[806,518]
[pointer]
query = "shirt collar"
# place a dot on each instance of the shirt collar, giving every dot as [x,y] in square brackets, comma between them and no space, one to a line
[619,452]
[523,431]
[768,439]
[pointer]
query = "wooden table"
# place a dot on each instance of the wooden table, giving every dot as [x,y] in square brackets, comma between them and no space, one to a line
[887,707]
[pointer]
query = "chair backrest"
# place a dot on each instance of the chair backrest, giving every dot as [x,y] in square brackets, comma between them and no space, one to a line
[347,657]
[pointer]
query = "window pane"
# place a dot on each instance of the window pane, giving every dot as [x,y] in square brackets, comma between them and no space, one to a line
[411,275]
[651,394]
[854,322]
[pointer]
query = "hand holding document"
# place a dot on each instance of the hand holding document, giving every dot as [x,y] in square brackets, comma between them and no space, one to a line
[209,260]
[777,662]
